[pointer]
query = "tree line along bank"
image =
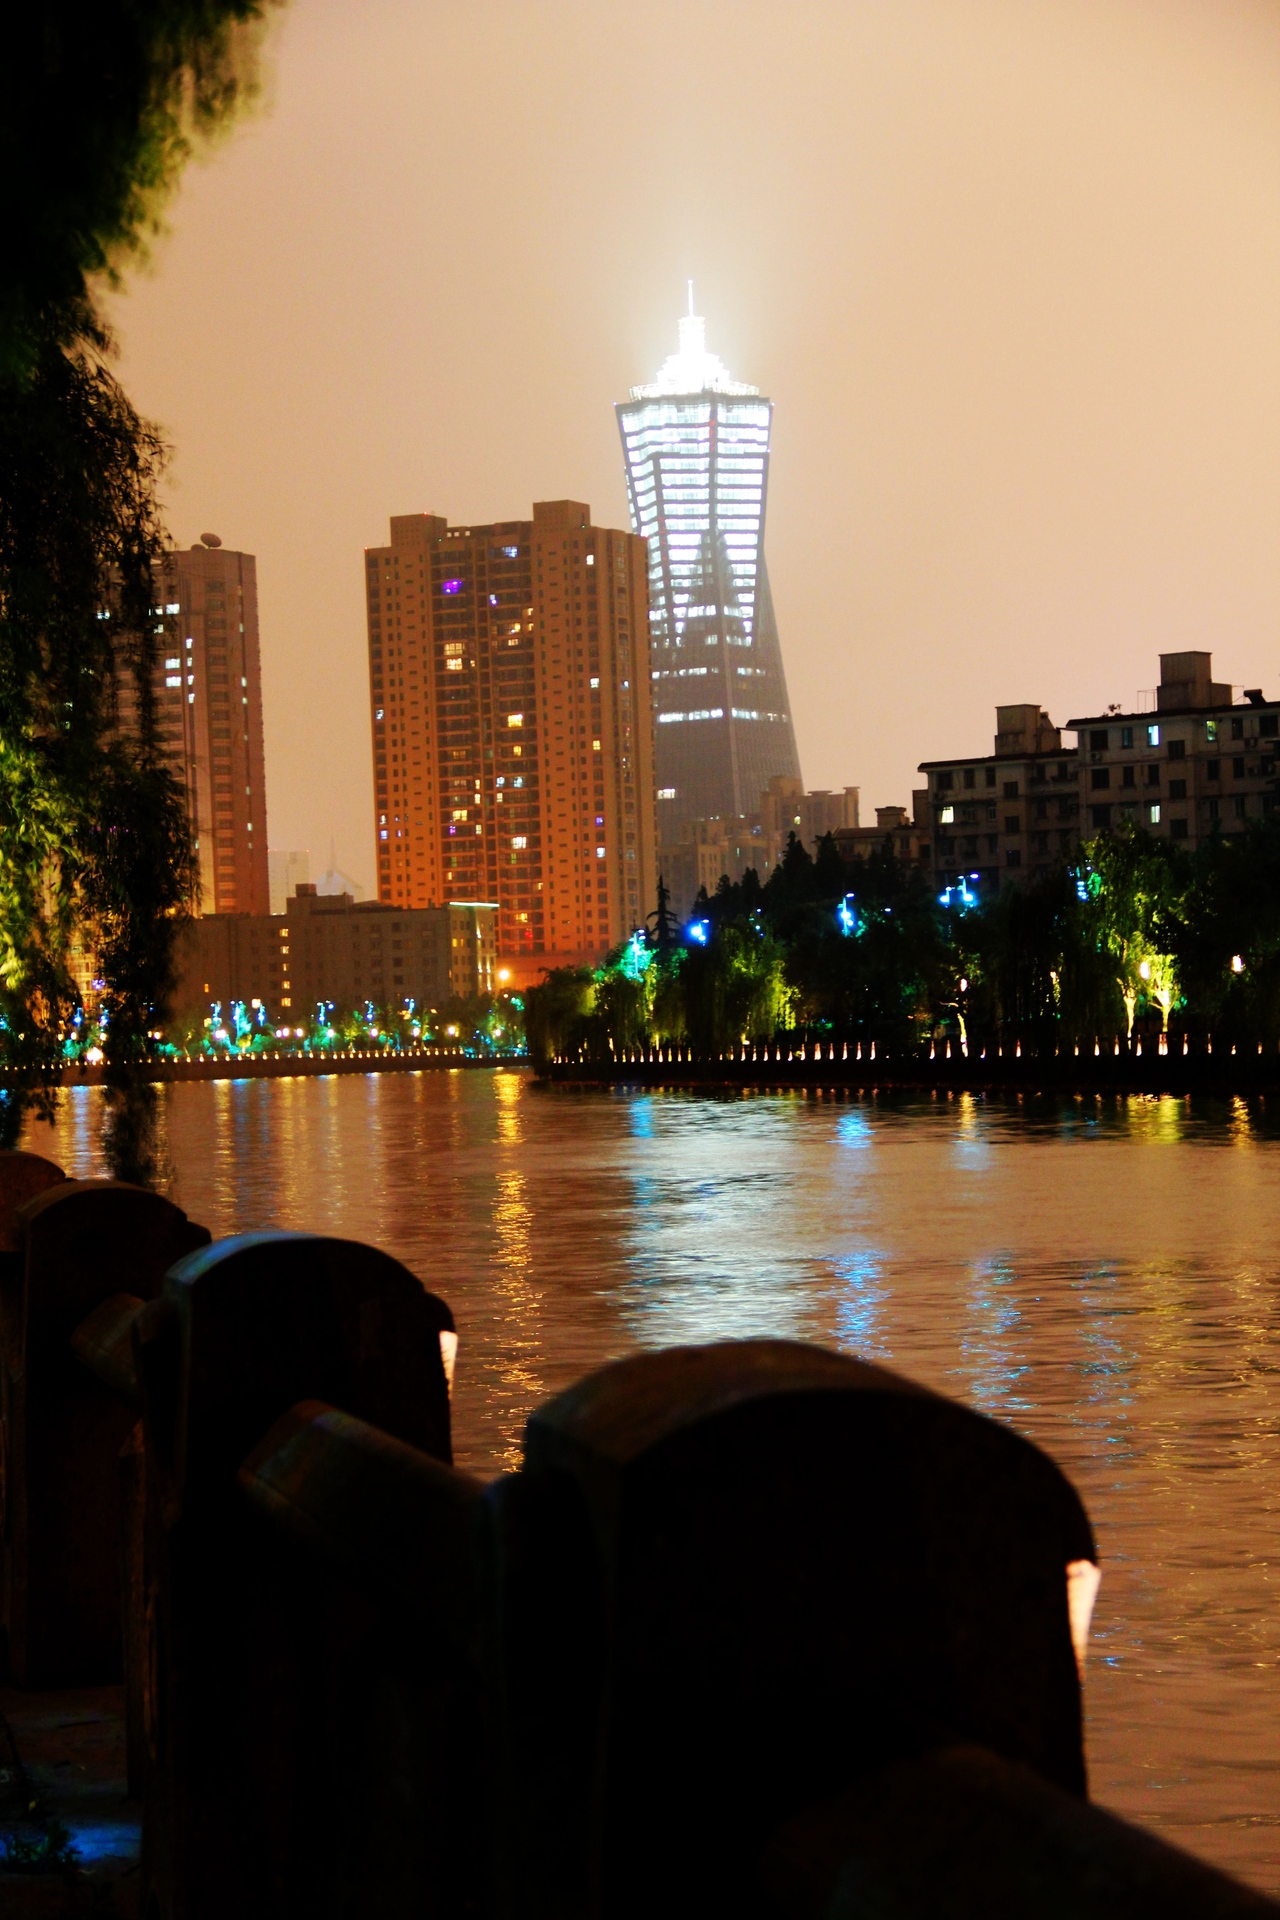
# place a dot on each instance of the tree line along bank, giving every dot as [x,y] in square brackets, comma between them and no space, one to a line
[1129,934]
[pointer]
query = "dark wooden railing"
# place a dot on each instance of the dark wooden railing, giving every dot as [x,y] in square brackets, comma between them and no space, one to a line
[756,1629]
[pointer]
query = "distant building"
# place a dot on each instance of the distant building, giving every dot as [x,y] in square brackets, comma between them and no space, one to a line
[729,845]
[696,446]
[1002,816]
[336,949]
[710,849]
[333,880]
[908,836]
[1192,764]
[286,872]
[512,726]
[785,808]
[209,701]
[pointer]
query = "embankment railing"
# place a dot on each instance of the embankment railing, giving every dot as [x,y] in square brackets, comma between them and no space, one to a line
[756,1627]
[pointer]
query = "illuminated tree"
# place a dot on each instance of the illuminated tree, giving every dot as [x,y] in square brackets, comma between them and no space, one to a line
[99,107]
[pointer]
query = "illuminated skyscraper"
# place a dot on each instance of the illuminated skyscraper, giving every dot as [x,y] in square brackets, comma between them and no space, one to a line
[512,734]
[208,688]
[697,451]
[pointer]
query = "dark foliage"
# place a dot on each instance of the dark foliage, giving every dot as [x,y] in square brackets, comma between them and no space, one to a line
[99,107]
[1131,931]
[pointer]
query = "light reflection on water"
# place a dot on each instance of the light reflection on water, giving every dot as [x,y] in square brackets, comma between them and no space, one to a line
[1102,1274]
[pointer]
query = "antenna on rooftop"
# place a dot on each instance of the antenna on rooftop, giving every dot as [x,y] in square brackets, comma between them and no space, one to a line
[691,299]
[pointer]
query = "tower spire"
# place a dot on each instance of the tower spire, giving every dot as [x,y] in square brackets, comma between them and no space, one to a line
[691,299]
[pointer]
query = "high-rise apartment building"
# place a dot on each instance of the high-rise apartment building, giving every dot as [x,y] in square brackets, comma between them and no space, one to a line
[512,725]
[696,444]
[209,705]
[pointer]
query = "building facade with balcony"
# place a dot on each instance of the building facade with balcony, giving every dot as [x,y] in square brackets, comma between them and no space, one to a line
[907,835]
[1002,817]
[1196,764]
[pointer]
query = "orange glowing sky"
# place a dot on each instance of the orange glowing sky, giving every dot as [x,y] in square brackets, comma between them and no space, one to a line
[1009,269]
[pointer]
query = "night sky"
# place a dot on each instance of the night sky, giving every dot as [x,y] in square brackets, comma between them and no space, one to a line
[1010,273]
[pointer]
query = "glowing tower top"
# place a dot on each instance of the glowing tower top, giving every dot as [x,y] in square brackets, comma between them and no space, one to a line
[691,368]
[696,445]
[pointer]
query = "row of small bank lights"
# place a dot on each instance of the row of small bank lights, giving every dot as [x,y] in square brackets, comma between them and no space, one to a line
[753,1052]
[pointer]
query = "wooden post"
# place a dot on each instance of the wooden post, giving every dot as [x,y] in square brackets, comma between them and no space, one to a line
[241,1333]
[82,1241]
[730,1577]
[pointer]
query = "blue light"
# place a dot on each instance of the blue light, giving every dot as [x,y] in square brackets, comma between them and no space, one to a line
[698,930]
[847,915]
[637,957]
[451,586]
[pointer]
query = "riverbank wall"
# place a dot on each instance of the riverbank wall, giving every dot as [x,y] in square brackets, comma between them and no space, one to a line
[285,1066]
[1183,1068]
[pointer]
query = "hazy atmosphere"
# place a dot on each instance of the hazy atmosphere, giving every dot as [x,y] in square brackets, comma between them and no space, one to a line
[1010,274]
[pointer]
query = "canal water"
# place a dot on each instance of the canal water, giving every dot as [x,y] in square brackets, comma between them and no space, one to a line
[1103,1274]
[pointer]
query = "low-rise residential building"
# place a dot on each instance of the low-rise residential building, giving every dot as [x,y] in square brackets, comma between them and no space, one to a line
[997,818]
[1193,764]
[785,808]
[908,835]
[331,948]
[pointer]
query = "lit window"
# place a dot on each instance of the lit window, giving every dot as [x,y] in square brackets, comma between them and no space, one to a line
[666,793]
[1211,731]
[599,853]
[591,559]
[595,683]
[451,586]
[519,840]
[173,607]
[173,680]
[175,662]
[515,719]
[947,816]
[1153,811]
[595,746]
[459,813]
[1153,736]
[453,666]
[518,781]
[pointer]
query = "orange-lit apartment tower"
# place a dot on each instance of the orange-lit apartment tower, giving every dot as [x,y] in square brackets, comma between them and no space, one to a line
[512,726]
[209,710]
